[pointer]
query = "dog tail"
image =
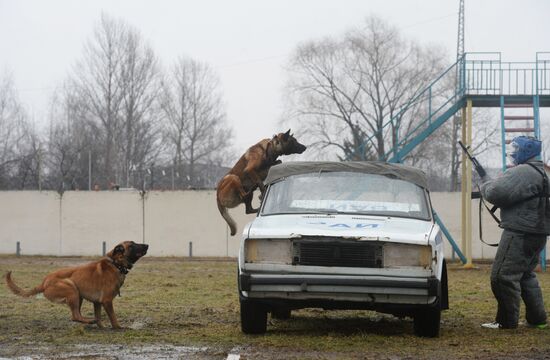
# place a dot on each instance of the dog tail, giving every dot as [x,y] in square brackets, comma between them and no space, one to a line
[18,291]
[228,219]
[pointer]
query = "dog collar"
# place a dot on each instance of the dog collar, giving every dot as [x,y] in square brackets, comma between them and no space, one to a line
[123,270]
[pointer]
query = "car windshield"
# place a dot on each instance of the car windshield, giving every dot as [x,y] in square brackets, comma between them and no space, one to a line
[347,193]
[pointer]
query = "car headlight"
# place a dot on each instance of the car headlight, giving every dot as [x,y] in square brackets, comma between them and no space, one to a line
[268,251]
[398,255]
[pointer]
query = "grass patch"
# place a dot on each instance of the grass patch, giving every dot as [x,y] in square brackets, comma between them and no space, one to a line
[195,303]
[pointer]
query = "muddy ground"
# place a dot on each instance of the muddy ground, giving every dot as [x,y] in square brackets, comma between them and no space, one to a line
[177,308]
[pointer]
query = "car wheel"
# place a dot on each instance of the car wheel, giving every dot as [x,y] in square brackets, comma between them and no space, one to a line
[427,322]
[281,313]
[444,288]
[253,317]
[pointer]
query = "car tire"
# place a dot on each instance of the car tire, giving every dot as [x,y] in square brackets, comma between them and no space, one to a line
[427,322]
[253,317]
[444,288]
[281,313]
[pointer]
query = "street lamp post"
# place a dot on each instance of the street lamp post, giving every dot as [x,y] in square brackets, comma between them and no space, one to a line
[89,170]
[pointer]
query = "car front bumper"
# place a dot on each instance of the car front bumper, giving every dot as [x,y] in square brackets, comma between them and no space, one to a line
[365,289]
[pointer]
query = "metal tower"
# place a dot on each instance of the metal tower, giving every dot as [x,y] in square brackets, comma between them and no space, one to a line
[460,40]
[457,82]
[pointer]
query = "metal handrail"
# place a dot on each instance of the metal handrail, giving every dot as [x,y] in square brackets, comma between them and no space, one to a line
[507,78]
[480,73]
[543,72]
[413,101]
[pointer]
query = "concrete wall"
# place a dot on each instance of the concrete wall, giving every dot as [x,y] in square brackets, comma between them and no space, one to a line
[173,219]
[448,207]
[33,218]
[78,222]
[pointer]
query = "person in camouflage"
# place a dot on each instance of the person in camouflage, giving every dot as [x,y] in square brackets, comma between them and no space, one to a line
[521,193]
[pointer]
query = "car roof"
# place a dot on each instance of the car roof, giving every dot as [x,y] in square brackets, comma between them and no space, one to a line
[396,171]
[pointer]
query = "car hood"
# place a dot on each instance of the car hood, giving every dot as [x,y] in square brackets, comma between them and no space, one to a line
[390,229]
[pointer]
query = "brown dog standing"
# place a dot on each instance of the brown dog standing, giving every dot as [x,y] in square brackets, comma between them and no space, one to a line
[98,282]
[250,171]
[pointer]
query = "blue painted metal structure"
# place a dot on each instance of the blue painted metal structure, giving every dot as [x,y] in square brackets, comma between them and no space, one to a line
[450,238]
[483,78]
[502,133]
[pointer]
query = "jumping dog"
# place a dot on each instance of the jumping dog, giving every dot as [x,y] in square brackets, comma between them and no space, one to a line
[249,173]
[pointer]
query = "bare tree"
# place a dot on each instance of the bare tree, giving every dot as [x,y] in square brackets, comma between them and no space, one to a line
[485,131]
[455,153]
[141,81]
[318,96]
[20,144]
[436,154]
[70,141]
[117,85]
[11,116]
[31,153]
[115,109]
[195,126]
[345,90]
[97,79]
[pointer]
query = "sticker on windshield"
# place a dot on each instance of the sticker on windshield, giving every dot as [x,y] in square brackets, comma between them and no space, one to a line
[355,206]
[347,226]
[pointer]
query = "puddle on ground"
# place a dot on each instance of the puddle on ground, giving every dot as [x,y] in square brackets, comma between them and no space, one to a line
[111,352]
[140,324]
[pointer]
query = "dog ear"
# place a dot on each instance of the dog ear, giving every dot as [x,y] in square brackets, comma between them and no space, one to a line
[286,135]
[119,249]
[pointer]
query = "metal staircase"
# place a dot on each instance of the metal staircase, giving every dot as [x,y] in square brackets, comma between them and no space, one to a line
[487,81]
[514,122]
[436,102]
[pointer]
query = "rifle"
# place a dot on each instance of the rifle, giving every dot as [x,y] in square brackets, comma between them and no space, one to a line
[477,194]
[480,170]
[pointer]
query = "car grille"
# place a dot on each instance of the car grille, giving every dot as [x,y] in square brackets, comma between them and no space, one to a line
[337,253]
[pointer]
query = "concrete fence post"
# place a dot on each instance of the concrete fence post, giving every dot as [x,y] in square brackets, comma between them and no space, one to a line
[104,249]
[190,249]
[18,249]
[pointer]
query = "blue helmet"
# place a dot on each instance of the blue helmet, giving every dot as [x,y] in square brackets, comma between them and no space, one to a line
[524,148]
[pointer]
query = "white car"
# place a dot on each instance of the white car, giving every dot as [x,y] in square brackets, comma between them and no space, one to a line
[343,235]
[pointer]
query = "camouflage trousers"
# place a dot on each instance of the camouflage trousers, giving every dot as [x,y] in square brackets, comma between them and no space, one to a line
[512,278]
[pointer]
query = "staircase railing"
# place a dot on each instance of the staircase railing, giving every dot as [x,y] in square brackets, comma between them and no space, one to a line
[543,73]
[479,74]
[427,106]
[487,74]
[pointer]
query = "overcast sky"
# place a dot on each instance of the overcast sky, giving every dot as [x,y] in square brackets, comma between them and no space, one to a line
[248,41]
